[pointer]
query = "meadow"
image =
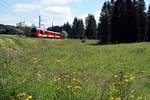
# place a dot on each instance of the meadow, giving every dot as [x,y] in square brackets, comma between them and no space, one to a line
[47,69]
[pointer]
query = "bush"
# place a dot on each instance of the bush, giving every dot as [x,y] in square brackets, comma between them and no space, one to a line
[64,34]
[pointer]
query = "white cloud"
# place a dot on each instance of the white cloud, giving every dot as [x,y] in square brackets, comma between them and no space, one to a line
[58,2]
[46,8]
[25,7]
[57,14]
[57,10]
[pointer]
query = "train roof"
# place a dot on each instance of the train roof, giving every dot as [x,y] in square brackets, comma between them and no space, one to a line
[47,30]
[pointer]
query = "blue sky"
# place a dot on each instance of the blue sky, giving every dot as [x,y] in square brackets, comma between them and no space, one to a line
[56,11]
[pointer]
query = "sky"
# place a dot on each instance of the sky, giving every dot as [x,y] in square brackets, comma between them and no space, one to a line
[57,12]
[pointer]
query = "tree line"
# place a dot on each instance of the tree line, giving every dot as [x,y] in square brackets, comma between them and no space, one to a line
[124,21]
[79,30]
[120,21]
[19,29]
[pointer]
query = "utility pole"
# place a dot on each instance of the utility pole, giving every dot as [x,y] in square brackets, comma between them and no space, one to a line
[52,24]
[39,21]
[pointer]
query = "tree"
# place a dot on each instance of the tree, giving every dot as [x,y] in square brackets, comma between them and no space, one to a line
[3,28]
[91,27]
[81,29]
[77,28]
[21,24]
[55,28]
[74,29]
[117,22]
[125,23]
[148,18]
[104,29]
[23,28]
[67,27]
[64,34]
[27,31]
[130,22]
[141,20]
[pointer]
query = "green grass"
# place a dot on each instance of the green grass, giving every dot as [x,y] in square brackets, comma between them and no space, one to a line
[43,68]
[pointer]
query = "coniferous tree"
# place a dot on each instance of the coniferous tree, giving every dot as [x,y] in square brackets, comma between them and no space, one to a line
[130,23]
[127,19]
[141,20]
[74,29]
[80,29]
[67,27]
[148,18]
[91,27]
[117,22]
[77,29]
[104,28]
[55,28]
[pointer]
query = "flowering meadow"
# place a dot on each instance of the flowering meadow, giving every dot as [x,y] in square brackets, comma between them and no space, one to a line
[44,69]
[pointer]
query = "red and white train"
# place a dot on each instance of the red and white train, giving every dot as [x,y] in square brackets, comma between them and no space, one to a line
[40,32]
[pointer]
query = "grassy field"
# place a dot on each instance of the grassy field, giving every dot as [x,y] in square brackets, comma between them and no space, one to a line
[44,69]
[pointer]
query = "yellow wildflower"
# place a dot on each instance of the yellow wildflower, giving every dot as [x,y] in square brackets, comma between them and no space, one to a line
[21,94]
[77,87]
[57,79]
[58,88]
[29,98]
[116,76]
[117,98]
[34,58]
[60,62]
[132,77]
[112,98]
[74,79]
[126,80]
[113,89]
[76,90]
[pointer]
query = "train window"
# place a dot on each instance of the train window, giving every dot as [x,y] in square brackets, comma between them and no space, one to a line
[41,32]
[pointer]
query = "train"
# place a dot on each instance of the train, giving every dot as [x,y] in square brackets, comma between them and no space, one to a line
[40,32]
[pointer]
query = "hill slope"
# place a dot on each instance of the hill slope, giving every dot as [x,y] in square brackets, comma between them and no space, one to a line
[45,69]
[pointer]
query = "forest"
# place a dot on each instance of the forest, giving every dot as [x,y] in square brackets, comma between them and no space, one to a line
[120,21]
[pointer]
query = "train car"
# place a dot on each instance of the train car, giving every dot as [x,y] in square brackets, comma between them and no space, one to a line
[40,32]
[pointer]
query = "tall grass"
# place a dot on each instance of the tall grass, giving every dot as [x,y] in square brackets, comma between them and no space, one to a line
[43,69]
